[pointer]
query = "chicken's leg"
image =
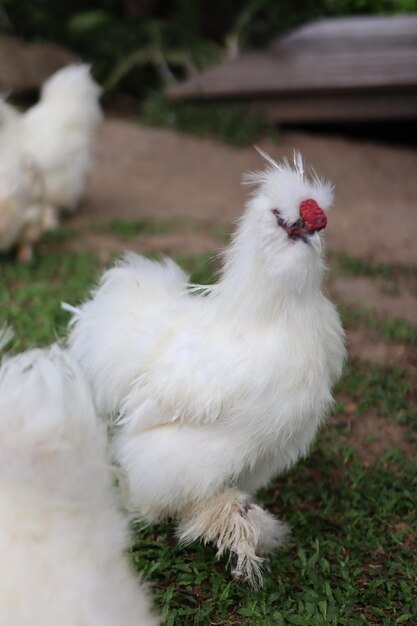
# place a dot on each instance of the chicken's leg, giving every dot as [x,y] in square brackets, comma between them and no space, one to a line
[234,524]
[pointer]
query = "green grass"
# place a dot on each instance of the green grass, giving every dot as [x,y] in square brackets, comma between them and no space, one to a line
[391,273]
[31,295]
[221,233]
[352,557]
[127,229]
[232,123]
[346,563]
[131,228]
[384,390]
[202,268]
[60,235]
[389,329]
[356,266]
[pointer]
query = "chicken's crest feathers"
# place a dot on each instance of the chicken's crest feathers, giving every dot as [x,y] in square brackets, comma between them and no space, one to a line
[298,163]
[272,243]
[267,157]
[293,174]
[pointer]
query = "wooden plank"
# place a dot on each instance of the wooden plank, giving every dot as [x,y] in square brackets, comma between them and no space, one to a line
[339,107]
[347,53]
[362,31]
[264,73]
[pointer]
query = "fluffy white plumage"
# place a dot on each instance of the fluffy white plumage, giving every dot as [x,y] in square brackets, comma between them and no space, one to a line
[62,536]
[218,392]
[24,212]
[57,133]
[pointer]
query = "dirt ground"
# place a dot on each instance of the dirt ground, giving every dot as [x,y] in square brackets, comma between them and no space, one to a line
[145,171]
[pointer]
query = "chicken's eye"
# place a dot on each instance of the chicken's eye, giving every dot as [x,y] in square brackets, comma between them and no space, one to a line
[295,231]
[299,223]
[280,220]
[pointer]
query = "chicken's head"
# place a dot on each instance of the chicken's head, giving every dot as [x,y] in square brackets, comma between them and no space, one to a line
[286,217]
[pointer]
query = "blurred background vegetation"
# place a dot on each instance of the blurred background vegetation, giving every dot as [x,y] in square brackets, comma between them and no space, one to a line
[139,46]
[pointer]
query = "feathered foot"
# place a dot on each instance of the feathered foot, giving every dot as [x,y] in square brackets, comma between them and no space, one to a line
[235,525]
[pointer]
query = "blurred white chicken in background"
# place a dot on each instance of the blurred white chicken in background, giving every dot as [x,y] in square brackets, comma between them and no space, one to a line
[9,118]
[24,212]
[57,133]
[218,391]
[62,536]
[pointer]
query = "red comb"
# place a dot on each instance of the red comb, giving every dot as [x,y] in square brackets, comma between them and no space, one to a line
[313,216]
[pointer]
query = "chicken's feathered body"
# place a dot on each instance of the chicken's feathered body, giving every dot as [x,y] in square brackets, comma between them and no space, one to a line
[24,212]
[57,133]
[62,535]
[216,391]
[235,401]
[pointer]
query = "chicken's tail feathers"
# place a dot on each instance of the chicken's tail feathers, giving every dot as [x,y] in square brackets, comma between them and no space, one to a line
[76,92]
[159,279]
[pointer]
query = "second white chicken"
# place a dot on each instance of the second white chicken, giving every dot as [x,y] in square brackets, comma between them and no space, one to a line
[57,134]
[24,212]
[62,535]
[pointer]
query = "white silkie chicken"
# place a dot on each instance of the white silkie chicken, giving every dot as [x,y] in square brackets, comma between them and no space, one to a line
[9,116]
[217,392]
[24,213]
[57,133]
[62,536]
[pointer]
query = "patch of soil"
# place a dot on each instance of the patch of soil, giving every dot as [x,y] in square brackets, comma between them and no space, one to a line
[371,435]
[107,245]
[362,344]
[370,293]
[142,171]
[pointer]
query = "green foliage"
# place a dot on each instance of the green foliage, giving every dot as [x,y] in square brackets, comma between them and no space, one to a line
[88,23]
[139,46]
[233,123]
[349,7]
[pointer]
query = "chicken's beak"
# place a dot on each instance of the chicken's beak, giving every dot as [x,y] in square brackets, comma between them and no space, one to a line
[315,241]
